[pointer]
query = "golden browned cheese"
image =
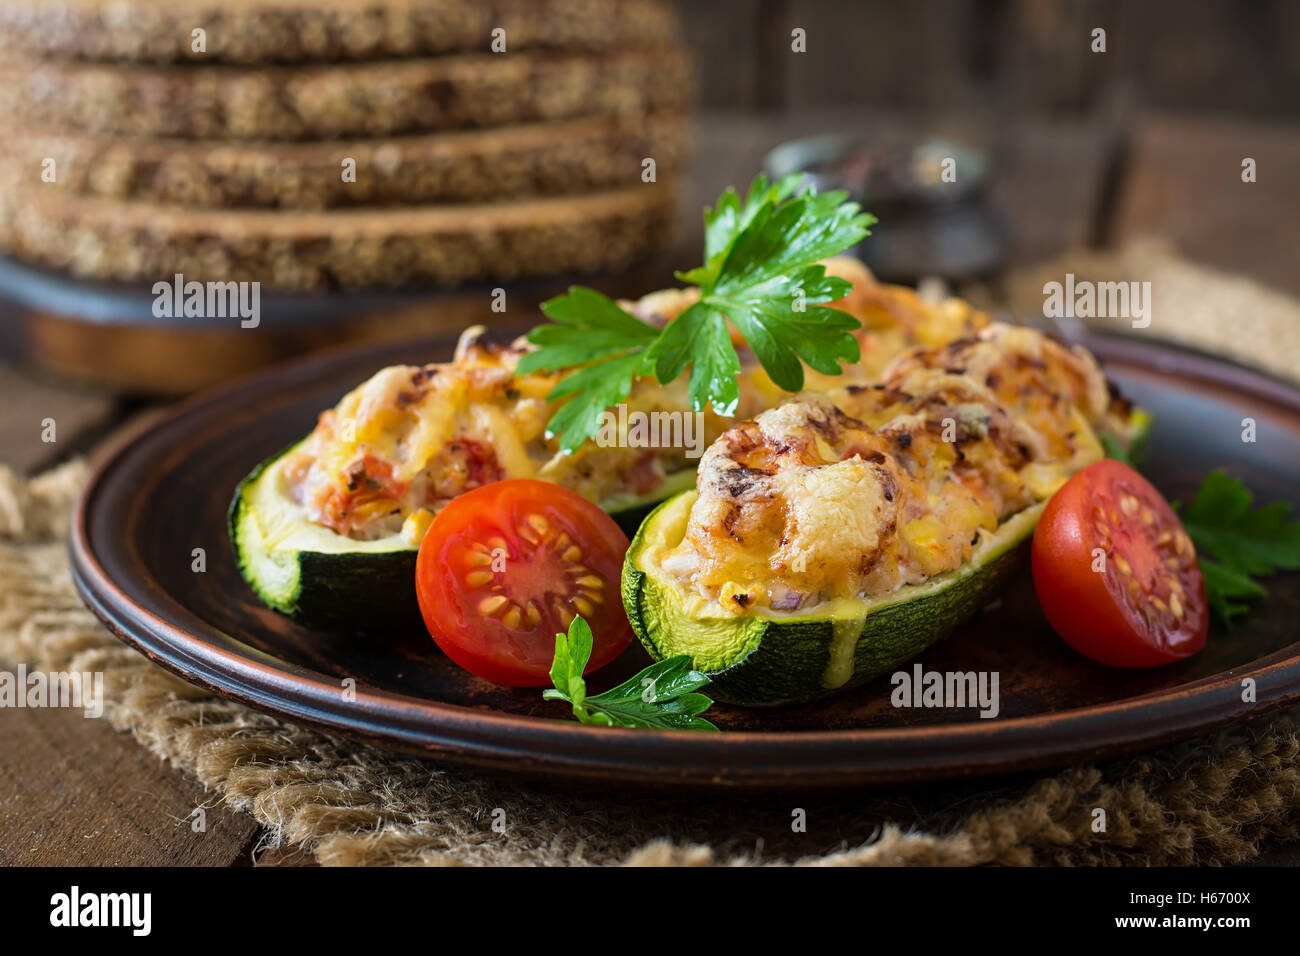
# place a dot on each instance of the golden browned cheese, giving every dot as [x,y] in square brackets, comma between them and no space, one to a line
[400,445]
[866,489]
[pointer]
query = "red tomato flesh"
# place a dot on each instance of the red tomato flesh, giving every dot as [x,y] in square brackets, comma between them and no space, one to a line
[1115,572]
[505,567]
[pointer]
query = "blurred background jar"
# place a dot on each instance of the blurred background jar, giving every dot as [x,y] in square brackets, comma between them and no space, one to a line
[929,197]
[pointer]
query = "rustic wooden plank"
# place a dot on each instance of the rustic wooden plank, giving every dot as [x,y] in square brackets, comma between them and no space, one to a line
[29,399]
[937,55]
[1046,61]
[723,37]
[1213,55]
[73,792]
[1002,56]
[876,53]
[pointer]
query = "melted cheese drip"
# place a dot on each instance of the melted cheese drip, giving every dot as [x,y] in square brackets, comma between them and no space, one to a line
[844,643]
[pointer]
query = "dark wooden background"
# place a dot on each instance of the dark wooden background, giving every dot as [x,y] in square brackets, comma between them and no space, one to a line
[1090,149]
[1086,149]
[1000,57]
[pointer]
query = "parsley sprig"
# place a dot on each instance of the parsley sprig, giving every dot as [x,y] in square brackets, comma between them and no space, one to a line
[1243,543]
[1115,449]
[760,271]
[661,697]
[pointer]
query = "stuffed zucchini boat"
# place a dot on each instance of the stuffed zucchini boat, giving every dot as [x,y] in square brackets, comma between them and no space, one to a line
[327,530]
[832,539]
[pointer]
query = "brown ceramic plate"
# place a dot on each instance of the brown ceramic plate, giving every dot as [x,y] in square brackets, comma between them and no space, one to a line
[165,492]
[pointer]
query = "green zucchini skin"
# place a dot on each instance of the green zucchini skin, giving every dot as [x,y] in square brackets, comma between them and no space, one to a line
[359,593]
[344,590]
[891,636]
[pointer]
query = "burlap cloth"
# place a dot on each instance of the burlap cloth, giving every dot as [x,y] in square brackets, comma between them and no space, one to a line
[1215,800]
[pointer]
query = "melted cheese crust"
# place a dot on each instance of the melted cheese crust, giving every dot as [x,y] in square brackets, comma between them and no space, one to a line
[401,445]
[868,489]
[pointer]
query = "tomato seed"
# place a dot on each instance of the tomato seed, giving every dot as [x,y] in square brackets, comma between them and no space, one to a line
[532,614]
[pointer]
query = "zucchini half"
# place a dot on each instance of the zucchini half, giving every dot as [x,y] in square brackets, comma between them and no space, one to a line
[766,658]
[330,582]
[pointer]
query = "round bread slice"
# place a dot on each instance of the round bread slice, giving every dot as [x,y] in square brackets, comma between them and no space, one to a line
[291,31]
[345,100]
[355,248]
[540,159]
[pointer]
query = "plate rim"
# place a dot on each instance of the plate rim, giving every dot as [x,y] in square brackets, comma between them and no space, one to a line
[818,759]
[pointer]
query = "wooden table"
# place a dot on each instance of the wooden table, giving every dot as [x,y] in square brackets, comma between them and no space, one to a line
[73,791]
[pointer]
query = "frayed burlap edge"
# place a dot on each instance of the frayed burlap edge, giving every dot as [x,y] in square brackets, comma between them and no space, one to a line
[1211,801]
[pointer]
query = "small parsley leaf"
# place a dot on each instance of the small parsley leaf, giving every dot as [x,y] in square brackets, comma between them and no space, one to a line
[603,343]
[1235,543]
[781,334]
[1223,584]
[699,338]
[731,217]
[663,696]
[595,387]
[1114,448]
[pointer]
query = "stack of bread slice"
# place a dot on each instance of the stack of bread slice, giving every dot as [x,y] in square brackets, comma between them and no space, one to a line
[320,144]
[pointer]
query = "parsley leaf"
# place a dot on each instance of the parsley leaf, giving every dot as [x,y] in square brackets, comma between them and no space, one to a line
[1243,543]
[731,217]
[607,346]
[699,337]
[1223,584]
[1113,448]
[781,332]
[760,272]
[661,697]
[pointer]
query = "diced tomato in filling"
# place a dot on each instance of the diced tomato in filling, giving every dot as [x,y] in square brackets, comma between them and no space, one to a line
[481,463]
[645,475]
[371,490]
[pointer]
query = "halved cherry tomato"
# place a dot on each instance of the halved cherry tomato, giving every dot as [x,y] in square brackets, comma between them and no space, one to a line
[505,567]
[1116,574]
